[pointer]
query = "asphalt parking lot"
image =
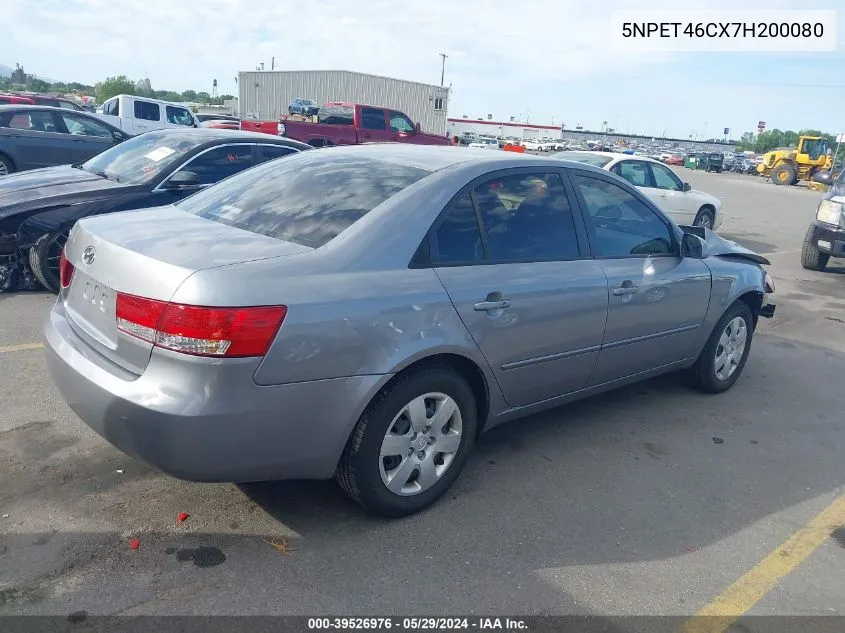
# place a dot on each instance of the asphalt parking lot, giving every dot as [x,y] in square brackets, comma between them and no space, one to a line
[627,503]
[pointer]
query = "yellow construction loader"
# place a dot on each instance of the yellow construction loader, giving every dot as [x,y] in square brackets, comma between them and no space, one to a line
[788,166]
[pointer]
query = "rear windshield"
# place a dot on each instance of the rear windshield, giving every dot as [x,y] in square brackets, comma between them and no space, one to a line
[589,159]
[336,115]
[308,199]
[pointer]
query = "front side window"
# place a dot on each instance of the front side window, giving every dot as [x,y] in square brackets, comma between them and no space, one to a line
[621,224]
[372,119]
[221,162]
[147,111]
[308,199]
[400,123]
[178,116]
[634,171]
[84,126]
[665,178]
[30,121]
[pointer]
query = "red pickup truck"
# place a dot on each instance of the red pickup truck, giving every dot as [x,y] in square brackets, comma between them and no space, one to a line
[349,124]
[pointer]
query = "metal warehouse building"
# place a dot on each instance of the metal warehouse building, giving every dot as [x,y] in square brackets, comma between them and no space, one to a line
[267,93]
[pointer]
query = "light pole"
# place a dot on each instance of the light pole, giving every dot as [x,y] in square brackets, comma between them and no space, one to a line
[257,107]
[443,67]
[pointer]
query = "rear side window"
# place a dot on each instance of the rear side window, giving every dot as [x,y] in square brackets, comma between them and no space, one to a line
[112,107]
[308,199]
[372,119]
[336,115]
[147,111]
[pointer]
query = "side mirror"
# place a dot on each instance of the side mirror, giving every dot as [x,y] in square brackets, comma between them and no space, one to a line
[417,128]
[823,177]
[182,181]
[692,246]
[118,136]
[687,186]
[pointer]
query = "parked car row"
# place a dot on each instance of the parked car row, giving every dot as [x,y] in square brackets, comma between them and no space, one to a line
[419,297]
[39,207]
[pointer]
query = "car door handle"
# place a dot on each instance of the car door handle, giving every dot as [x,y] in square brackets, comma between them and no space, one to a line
[627,288]
[486,306]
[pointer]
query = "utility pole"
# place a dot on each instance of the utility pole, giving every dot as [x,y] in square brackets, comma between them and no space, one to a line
[443,67]
[273,63]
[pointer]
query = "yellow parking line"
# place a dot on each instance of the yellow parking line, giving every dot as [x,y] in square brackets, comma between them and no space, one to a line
[741,596]
[20,348]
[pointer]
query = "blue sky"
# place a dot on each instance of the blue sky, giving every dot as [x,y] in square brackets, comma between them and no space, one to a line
[547,59]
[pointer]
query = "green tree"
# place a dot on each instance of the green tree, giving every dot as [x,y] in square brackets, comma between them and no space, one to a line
[226,97]
[37,85]
[746,142]
[189,95]
[203,97]
[113,86]
[169,95]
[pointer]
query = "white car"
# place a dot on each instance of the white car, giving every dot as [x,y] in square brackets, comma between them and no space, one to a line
[483,142]
[534,145]
[675,197]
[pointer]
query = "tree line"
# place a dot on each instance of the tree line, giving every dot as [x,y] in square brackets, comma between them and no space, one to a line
[112,86]
[773,139]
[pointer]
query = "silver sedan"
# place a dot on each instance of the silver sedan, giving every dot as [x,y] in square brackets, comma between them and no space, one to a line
[364,312]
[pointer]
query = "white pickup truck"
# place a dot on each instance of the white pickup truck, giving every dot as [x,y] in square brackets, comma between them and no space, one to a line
[136,115]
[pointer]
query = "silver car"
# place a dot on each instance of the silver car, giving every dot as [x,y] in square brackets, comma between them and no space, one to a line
[364,312]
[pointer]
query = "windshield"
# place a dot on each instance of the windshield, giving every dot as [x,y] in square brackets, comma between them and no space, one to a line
[308,199]
[588,159]
[814,148]
[142,158]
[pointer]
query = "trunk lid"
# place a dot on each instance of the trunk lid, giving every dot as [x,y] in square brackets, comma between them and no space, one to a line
[147,253]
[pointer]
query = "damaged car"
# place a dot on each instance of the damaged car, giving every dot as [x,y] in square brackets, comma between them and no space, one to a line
[364,312]
[39,207]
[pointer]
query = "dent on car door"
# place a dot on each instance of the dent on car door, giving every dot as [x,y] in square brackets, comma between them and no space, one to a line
[658,299]
[509,252]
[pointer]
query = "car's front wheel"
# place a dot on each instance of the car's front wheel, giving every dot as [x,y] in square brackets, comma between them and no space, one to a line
[705,218]
[724,355]
[811,257]
[44,258]
[411,442]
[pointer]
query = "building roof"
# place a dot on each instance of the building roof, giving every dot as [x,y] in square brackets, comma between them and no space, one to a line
[348,72]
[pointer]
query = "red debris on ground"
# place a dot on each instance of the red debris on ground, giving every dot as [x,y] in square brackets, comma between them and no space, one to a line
[134,543]
[182,516]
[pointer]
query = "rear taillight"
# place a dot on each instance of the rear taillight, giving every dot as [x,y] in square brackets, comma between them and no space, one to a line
[65,270]
[200,330]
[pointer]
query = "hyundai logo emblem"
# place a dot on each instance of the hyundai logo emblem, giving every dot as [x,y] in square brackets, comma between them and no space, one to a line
[89,254]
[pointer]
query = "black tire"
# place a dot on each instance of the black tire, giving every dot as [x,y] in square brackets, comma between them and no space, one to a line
[783,174]
[6,166]
[811,257]
[703,373]
[358,472]
[705,214]
[44,262]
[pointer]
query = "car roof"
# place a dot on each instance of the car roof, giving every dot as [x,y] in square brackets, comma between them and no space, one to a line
[213,134]
[437,157]
[26,107]
[614,156]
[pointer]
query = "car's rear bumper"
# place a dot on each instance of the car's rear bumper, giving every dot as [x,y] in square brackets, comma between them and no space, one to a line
[828,239]
[205,419]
